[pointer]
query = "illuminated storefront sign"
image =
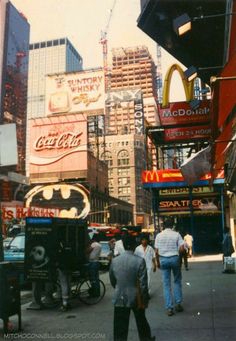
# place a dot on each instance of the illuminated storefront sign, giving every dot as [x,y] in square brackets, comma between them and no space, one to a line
[75,92]
[179,113]
[187,133]
[184,190]
[202,204]
[18,212]
[55,141]
[173,177]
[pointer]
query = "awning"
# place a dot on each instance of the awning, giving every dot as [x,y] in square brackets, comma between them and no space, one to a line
[205,46]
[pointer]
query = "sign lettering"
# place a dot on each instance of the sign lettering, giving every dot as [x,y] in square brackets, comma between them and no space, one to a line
[58,141]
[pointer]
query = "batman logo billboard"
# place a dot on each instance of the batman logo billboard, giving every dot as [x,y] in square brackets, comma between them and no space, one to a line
[71,200]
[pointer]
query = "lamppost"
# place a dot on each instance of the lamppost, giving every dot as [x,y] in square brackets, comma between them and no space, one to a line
[107,212]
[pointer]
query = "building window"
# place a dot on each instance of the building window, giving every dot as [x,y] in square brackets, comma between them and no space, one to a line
[107,157]
[123,171]
[125,198]
[123,158]
[124,190]
[124,181]
[110,172]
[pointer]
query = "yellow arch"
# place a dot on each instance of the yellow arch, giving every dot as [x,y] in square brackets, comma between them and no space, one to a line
[188,86]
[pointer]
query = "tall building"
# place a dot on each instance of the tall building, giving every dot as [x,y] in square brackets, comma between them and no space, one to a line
[131,106]
[125,157]
[134,67]
[48,57]
[14,42]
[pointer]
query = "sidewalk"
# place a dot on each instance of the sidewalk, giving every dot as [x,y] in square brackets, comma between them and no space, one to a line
[209,302]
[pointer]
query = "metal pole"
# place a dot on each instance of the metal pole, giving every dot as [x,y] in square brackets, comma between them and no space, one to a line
[191,213]
[222,208]
[1,240]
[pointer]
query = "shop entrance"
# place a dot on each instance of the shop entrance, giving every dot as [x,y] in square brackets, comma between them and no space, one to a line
[207,233]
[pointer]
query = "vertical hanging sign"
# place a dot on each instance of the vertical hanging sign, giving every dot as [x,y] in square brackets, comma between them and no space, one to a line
[138,114]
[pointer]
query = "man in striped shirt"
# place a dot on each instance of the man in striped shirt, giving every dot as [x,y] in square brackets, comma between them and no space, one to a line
[168,245]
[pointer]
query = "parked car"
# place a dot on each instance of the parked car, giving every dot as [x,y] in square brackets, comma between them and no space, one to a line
[104,256]
[15,253]
[6,242]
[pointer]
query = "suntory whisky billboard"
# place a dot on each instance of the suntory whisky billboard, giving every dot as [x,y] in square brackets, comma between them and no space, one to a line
[75,92]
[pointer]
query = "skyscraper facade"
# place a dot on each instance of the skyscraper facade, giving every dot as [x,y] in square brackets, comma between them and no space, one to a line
[14,74]
[131,105]
[133,67]
[48,57]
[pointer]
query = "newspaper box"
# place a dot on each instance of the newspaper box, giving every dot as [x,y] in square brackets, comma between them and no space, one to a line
[43,237]
[230,264]
[10,303]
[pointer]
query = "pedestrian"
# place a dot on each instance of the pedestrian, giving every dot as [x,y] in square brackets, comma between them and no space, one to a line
[184,256]
[227,244]
[94,252]
[189,240]
[168,245]
[119,247]
[147,252]
[128,275]
[64,268]
[40,289]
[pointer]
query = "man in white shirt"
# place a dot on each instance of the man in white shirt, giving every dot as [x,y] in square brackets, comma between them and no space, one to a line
[94,253]
[119,247]
[147,252]
[168,245]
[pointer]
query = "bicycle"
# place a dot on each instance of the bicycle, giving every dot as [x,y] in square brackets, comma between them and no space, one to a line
[81,288]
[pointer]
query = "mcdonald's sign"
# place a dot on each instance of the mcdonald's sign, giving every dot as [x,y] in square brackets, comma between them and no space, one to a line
[162,175]
[174,177]
[179,113]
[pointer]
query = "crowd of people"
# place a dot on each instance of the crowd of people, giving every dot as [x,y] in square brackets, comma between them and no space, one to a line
[130,272]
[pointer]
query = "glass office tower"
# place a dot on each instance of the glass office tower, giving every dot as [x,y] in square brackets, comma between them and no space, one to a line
[46,57]
[14,78]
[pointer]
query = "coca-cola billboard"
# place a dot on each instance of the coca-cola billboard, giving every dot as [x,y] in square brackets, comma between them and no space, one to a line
[58,144]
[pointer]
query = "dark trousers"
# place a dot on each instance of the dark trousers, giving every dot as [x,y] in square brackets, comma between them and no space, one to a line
[121,323]
[184,256]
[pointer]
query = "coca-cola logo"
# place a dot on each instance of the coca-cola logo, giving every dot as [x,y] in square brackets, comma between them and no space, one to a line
[64,140]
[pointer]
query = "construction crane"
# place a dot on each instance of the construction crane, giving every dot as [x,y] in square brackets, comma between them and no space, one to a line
[103,41]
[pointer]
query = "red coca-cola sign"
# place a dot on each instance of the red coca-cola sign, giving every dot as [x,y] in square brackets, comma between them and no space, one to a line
[58,144]
[57,141]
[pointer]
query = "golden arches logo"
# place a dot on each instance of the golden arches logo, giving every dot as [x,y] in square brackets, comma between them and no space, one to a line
[150,176]
[188,86]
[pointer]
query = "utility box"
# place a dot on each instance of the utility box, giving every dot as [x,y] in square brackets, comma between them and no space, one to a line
[10,302]
[44,238]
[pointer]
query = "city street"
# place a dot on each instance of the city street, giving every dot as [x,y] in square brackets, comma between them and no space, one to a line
[209,302]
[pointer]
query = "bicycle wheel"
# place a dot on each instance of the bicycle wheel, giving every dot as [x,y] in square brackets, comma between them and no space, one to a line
[74,288]
[84,292]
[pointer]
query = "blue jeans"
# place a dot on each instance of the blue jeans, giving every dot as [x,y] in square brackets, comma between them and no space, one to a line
[169,264]
[94,277]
